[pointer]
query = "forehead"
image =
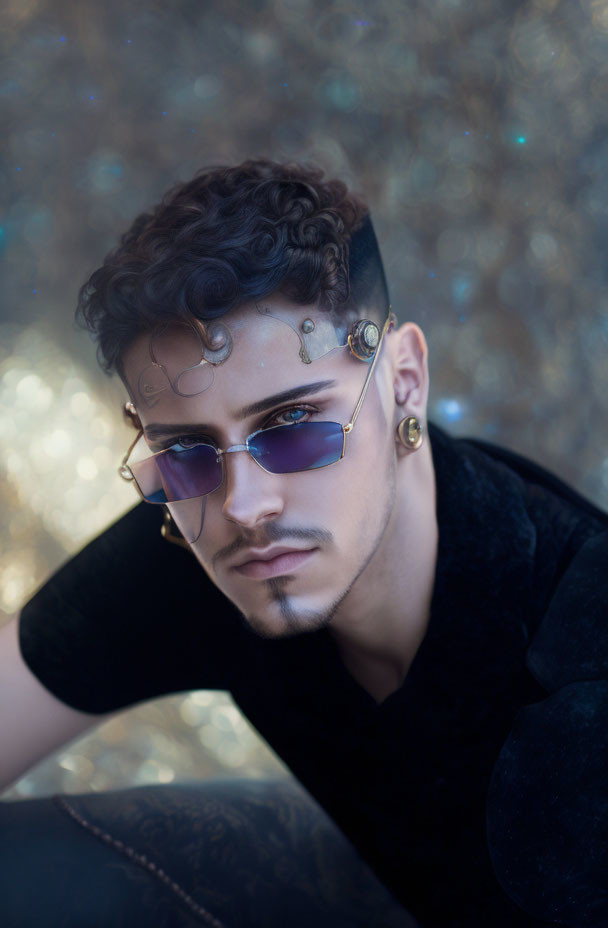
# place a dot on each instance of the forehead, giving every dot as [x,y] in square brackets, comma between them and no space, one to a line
[263,352]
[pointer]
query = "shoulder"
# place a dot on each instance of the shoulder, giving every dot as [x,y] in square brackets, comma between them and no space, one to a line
[521,526]
[571,642]
[547,799]
[547,805]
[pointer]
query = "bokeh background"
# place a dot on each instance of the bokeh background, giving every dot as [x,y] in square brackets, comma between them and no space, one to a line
[477,131]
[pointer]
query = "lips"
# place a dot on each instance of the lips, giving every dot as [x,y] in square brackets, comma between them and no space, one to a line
[284,563]
[268,554]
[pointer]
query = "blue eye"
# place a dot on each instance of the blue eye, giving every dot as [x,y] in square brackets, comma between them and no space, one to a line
[297,409]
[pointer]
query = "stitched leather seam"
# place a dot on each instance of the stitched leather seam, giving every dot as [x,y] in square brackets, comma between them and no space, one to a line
[142,861]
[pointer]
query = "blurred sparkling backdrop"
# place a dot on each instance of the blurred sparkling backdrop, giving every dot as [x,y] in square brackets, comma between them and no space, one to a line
[478,132]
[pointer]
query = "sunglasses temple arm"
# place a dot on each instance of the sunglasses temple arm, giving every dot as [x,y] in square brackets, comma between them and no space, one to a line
[349,426]
[124,470]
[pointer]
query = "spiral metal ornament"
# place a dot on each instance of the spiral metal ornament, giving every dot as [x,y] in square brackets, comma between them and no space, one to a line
[217,342]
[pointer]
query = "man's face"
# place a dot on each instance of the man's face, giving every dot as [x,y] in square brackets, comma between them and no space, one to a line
[340,511]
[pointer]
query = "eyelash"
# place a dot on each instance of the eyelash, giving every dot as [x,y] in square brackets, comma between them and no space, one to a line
[198,438]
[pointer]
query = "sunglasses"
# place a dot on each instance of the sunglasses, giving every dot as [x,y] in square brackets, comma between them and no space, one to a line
[187,472]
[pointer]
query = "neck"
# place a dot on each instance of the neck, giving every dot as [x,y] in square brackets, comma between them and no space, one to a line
[382,622]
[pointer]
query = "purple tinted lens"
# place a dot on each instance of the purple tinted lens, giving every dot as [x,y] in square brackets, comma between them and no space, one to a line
[178,474]
[286,449]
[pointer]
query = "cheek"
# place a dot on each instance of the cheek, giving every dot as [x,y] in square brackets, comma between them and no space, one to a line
[368,477]
[347,488]
[344,495]
[189,516]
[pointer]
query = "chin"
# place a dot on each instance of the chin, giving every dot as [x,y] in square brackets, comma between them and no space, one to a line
[282,621]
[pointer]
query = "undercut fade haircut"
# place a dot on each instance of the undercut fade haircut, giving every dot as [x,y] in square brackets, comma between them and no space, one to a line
[227,236]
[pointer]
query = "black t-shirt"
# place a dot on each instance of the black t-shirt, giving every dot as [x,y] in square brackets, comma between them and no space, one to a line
[477,791]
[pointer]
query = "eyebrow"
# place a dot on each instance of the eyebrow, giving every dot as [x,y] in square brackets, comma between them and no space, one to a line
[160,429]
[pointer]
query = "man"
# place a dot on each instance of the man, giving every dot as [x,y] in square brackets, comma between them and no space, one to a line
[392,609]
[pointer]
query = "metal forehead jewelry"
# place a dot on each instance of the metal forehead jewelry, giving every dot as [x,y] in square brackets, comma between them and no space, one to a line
[203,346]
[317,336]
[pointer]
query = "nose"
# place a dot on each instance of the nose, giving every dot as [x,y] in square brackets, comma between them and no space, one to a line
[251,494]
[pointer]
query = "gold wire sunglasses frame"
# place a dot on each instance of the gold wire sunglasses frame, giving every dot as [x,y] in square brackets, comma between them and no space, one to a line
[127,474]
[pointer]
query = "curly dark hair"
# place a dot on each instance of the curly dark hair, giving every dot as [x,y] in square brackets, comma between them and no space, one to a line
[227,236]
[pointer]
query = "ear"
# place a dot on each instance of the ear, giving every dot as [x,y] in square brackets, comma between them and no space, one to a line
[130,416]
[408,352]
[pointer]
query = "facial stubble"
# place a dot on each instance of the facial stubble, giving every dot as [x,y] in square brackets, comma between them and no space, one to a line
[293,621]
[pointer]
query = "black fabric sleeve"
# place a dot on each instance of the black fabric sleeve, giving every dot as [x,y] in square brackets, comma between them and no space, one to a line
[129,618]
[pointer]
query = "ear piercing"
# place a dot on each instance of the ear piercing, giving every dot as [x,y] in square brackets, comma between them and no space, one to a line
[409,433]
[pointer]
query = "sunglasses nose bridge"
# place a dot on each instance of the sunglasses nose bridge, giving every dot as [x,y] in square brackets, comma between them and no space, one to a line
[234,448]
[241,447]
